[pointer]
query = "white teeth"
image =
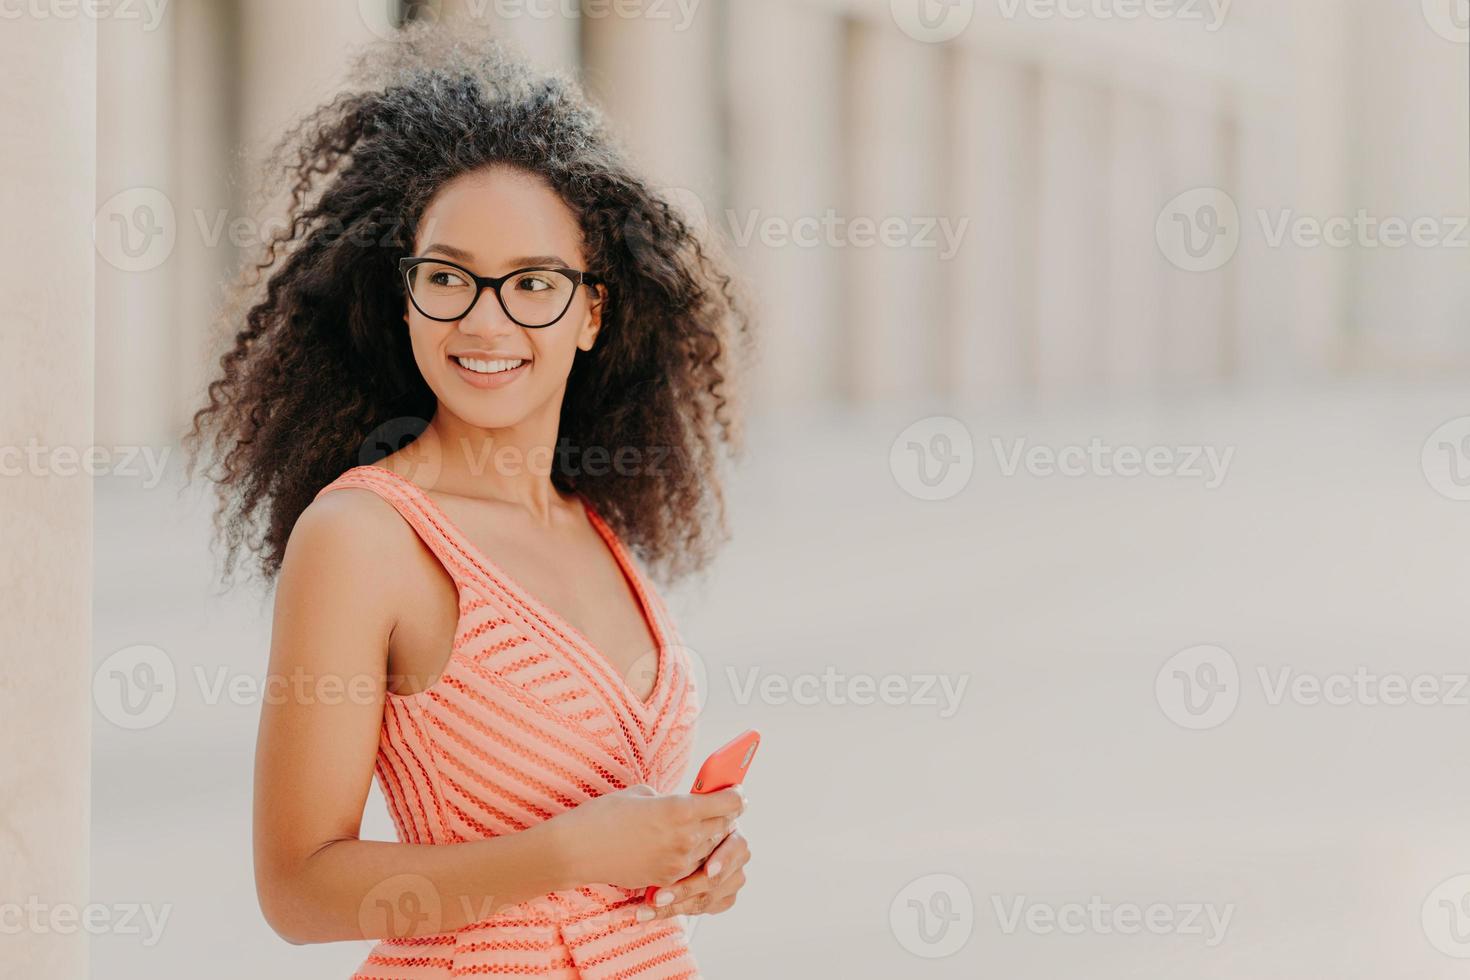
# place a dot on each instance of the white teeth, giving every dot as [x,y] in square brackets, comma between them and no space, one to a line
[487,367]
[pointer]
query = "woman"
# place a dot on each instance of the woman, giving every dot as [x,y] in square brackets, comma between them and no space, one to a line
[470,263]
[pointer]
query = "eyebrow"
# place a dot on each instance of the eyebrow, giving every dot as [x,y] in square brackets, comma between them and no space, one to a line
[460,255]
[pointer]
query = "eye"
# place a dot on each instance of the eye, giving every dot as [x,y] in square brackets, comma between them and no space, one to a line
[535,282]
[446,277]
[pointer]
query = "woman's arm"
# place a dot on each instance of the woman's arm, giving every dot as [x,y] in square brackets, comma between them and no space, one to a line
[337,603]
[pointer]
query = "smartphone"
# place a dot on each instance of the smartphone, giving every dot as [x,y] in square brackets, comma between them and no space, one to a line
[725,767]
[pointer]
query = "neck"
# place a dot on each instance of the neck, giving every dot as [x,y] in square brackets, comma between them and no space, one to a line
[511,464]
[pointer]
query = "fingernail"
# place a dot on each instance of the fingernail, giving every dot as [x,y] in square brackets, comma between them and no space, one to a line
[713,868]
[663,897]
[645,913]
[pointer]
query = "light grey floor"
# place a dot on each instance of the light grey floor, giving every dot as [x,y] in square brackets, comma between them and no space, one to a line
[1326,833]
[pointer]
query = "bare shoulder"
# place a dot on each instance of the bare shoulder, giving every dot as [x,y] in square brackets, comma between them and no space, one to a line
[351,537]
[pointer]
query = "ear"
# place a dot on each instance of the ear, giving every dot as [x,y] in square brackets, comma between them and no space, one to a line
[596,305]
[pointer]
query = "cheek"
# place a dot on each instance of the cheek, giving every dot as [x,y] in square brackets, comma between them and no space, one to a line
[555,346]
[425,338]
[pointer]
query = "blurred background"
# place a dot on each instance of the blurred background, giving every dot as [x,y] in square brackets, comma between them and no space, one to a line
[1096,579]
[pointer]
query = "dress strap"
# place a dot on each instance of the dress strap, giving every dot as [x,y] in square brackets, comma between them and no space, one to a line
[415,507]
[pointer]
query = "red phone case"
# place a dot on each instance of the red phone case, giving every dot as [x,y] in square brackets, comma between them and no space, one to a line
[725,767]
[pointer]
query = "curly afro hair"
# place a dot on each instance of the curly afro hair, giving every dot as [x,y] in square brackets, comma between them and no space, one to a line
[320,365]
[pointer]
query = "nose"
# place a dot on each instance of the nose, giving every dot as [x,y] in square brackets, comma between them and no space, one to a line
[487,318]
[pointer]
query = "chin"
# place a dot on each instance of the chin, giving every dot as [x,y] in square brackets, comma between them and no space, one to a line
[482,416]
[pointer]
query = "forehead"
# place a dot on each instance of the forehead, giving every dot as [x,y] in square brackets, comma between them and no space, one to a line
[501,212]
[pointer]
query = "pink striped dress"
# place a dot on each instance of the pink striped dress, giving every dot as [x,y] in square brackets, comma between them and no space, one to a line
[527,721]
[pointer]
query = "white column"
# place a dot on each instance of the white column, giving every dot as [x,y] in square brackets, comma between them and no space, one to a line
[48,181]
[1072,277]
[991,284]
[1317,124]
[205,144]
[895,317]
[655,73]
[136,330]
[779,197]
[1412,107]
[1135,188]
[294,56]
[1198,312]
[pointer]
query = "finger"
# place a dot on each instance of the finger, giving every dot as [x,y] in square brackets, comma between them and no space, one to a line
[682,890]
[725,803]
[716,899]
[693,906]
[732,853]
[691,889]
[717,829]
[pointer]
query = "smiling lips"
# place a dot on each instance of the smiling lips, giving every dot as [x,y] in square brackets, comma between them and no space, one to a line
[489,372]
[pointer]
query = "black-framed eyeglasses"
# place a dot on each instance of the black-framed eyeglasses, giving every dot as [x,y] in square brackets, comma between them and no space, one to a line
[536,296]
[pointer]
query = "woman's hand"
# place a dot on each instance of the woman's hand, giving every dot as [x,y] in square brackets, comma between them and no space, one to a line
[711,889]
[635,838]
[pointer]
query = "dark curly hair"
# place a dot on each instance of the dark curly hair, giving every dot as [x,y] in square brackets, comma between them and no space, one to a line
[320,364]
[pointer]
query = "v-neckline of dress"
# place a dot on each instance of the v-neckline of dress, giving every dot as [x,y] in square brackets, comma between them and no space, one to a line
[543,611]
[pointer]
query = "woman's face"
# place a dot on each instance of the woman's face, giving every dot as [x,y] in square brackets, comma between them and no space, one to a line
[492,222]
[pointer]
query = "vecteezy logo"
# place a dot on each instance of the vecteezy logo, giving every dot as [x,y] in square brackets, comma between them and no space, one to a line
[932,21]
[934,458]
[379,16]
[1446,917]
[1198,688]
[423,463]
[1450,19]
[1199,230]
[134,230]
[401,906]
[135,687]
[933,916]
[1446,459]
[644,673]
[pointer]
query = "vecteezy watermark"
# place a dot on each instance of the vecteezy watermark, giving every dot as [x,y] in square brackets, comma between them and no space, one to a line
[1209,464]
[1363,229]
[150,12]
[1445,917]
[940,233]
[34,459]
[383,18]
[1445,459]
[1450,19]
[1097,917]
[1199,687]
[934,458]
[1199,231]
[137,229]
[401,906]
[139,686]
[644,674]
[96,919]
[135,687]
[833,687]
[932,21]
[1364,687]
[932,916]
[484,455]
[1210,13]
